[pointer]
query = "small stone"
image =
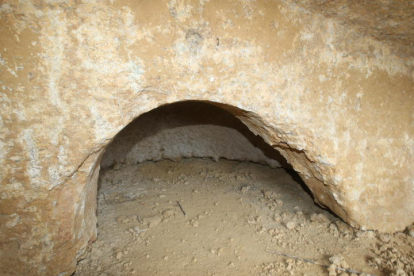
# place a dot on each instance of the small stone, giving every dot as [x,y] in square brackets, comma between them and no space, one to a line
[336,259]
[277,218]
[245,189]
[168,213]
[333,227]
[400,272]
[332,270]
[152,221]
[370,234]
[343,227]
[290,225]
[385,238]
[319,218]
[195,223]
[410,231]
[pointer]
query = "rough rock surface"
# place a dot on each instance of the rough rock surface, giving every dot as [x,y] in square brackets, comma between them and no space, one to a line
[332,91]
[185,130]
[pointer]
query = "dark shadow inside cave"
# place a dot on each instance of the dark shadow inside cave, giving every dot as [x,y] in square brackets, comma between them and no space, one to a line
[189,129]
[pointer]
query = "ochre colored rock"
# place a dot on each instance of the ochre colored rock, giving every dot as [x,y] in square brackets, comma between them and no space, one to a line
[330,87]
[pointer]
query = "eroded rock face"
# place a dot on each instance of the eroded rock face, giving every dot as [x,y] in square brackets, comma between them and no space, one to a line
[335,99]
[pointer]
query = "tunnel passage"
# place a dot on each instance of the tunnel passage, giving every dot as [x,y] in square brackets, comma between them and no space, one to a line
[187,177]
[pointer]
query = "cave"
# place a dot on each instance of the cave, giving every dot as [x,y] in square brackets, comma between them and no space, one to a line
[321,90]
[188,189]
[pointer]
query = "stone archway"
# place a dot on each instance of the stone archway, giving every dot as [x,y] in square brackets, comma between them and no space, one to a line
[129,145]
[179,141]
[85,221]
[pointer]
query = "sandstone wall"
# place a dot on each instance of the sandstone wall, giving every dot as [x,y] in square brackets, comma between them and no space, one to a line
[332,91]
[189,129]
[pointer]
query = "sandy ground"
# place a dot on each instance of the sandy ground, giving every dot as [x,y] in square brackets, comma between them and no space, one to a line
[233,215]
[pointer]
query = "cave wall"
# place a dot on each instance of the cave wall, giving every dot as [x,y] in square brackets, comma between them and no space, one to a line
[327,84]
[185,130]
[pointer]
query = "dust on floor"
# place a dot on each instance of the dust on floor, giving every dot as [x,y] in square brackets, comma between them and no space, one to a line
[200,217]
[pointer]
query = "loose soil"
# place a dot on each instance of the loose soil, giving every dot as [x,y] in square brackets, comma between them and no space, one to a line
[200,217]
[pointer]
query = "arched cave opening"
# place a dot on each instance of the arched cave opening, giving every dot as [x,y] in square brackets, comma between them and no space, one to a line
[188,189]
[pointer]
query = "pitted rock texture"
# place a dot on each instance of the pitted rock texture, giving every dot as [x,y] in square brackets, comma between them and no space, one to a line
[333,94]
[185,130]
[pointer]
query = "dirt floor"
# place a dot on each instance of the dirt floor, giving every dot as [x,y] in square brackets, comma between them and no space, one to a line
[236,218]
